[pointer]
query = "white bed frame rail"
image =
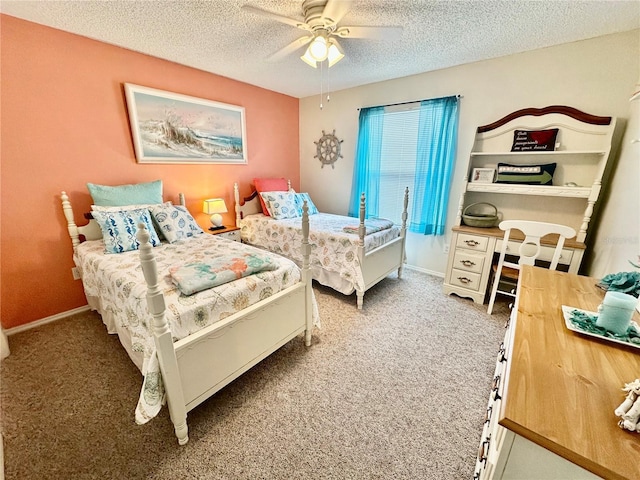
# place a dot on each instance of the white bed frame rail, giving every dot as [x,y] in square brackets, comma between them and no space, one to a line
[376,264]
[196,367]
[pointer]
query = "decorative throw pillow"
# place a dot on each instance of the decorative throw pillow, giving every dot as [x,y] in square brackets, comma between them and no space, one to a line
[300,198]
[534,140]
[119,229]
[148,206]
[175,222]
[269,185]
[281,205]
[100,208]
[139,193]
[526,174]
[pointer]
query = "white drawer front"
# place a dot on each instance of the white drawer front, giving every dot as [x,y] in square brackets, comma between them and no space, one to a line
[546,252]
[463,260]
[468,280]
[472,242]
[234,235]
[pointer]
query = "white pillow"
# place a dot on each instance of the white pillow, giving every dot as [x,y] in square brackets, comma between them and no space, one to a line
[281,205]
[175,222]
[101,208]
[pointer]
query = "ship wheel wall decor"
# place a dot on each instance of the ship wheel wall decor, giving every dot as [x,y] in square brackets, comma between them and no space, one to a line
[328,149]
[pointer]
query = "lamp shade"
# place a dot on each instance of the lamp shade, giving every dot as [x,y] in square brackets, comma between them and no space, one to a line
[214,207]
[308,59]
[319,48]
[335,53]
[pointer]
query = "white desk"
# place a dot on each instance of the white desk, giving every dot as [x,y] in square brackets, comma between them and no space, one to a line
[472,251]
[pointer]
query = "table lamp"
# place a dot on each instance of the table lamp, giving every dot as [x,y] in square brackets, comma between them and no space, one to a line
[214,207]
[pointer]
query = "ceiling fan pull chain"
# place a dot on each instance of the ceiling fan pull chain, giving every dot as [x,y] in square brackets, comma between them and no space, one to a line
[321,65]
[328,86]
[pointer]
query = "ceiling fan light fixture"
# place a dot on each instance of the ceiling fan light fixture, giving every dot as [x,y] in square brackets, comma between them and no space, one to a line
[319,49]
[308,59]
[335,53]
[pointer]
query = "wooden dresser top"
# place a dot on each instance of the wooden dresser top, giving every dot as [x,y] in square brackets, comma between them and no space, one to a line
[550,239]
[563,386]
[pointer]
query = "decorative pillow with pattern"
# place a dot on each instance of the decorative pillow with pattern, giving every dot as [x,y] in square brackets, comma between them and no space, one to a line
[175,222]
[526,174]
[269,185]
[148,206]
[300,198]
[119,229]
[281,205]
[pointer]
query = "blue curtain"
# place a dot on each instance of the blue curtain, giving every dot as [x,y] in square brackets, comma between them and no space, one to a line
[366,170]
[435,157]
[437,139]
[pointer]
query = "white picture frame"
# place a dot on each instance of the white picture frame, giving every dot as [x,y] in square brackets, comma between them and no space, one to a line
[173,128]
[483,175]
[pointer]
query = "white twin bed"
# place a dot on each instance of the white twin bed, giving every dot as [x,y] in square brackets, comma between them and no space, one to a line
[190,346]
[346,262]
[190,336]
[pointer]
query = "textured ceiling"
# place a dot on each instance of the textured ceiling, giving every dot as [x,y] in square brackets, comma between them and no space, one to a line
[219,37]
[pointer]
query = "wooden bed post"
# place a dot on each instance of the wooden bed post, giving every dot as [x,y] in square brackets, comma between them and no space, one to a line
[163,339]
[71,224]
[306,274]
[362,231]
[403,231]
[236,198]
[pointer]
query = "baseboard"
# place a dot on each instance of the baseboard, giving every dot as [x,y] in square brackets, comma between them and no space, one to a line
[43,321]
[1,457]
[424,270]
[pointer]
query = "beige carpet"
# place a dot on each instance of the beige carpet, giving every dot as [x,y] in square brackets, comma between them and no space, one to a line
[395,391]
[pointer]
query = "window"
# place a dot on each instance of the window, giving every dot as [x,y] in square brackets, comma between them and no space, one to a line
[410,147]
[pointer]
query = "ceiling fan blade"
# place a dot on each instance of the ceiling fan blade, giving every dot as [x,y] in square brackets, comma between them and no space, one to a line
[377,33]
[280,18]
[292,47]
[336,9]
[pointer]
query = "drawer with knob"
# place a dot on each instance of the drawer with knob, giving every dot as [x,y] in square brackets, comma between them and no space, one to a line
[469,280]
[472,242]
[464,260]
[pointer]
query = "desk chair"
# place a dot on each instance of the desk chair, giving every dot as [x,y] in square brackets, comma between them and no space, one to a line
[532,231]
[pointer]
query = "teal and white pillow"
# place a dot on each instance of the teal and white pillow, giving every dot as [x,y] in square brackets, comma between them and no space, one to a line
[300,198]
[175,222]
[119,229]
[101,208]
[281,205]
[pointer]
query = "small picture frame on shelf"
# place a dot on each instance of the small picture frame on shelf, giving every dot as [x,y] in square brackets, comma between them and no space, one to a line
[483,175]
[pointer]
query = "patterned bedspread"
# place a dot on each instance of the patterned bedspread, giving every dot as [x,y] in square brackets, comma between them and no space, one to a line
[116,280]
[332,250]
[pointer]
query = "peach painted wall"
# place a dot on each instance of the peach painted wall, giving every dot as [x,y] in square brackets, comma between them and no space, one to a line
[64,123]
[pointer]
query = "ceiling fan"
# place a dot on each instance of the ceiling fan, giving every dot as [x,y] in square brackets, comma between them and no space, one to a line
[321,22]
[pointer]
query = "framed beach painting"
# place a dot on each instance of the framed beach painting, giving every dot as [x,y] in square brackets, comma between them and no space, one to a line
[173,128]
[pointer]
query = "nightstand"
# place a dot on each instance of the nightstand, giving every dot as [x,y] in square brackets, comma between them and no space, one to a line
[228,232]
